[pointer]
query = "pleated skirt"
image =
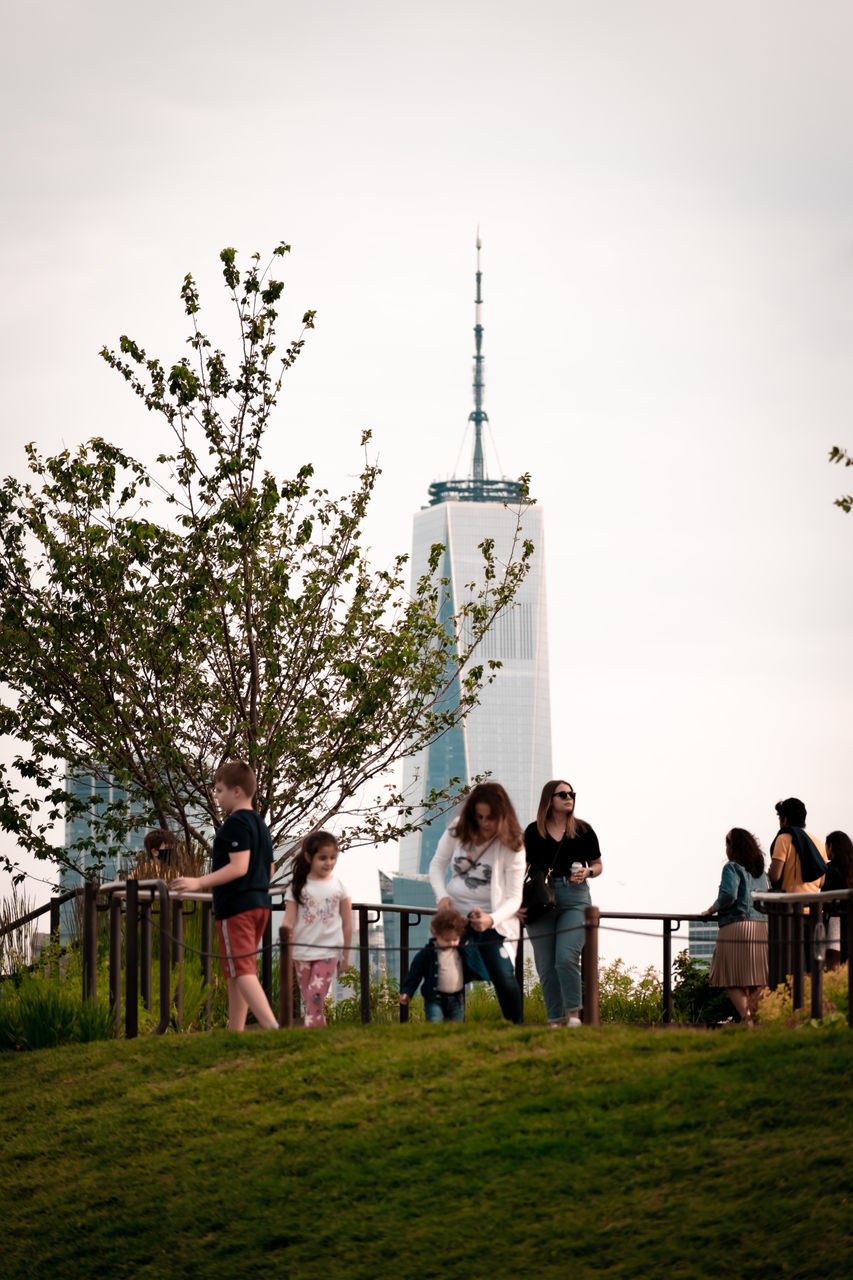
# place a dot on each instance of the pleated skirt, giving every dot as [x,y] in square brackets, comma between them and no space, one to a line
[740,956]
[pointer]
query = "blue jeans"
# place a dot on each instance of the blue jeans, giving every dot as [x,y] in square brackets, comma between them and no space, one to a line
[500,969]
[557,940]
[448,1006]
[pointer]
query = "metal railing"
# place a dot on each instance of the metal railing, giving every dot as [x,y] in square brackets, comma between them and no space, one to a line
[797,942]
[794,921]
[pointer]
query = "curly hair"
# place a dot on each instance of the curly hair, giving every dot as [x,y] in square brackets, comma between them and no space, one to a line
[311,845]
[841,847]
[448,920]
[574,826]
[466,829]
[743,848]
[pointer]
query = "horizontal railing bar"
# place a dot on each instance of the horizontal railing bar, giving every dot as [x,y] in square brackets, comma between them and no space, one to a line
[38,911]
[831,895]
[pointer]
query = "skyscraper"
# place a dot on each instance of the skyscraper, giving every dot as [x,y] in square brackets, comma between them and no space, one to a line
[509,733]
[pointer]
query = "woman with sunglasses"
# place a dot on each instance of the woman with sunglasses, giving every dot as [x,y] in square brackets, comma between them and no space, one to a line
[566,849]
[483,851]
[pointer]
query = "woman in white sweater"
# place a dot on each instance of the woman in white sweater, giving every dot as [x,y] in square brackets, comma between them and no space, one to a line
[484,853]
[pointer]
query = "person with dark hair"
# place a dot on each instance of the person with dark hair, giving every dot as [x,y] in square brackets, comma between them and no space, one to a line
[482,849]
[443,967]
[796,856]
[839,875]
[566,849]
[159,846]
[318,908]
[740,956]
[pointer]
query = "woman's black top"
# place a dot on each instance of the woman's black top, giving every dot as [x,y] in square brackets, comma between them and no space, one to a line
[544,852]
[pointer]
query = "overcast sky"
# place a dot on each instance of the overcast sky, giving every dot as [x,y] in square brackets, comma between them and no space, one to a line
[665,193]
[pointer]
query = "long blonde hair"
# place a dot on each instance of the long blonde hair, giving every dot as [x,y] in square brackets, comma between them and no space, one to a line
[574,826]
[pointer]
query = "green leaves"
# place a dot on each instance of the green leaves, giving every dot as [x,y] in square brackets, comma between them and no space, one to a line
[845,502]
[161,617]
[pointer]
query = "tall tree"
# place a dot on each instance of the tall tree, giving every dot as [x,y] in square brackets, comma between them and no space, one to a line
[160,619]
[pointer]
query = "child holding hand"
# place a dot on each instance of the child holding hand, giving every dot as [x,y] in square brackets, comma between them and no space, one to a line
[319,911]
[444,966]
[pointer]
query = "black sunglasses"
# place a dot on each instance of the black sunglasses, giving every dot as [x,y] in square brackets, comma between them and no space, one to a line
[565,795]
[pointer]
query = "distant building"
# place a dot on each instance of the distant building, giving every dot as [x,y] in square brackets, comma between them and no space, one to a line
[407,891]
[509,734]
[97,794]
[701,938]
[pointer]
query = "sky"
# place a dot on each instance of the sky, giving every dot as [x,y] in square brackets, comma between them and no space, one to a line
[665,198]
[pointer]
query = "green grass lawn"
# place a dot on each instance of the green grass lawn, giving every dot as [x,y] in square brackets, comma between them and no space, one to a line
[480,1152]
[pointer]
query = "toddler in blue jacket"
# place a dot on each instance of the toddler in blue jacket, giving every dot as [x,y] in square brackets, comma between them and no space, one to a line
[444,965]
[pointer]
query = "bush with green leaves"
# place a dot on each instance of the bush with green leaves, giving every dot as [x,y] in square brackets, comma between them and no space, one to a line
[694,1000]
[38,1011]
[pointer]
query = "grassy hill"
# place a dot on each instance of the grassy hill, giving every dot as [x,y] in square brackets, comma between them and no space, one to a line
[410,1153]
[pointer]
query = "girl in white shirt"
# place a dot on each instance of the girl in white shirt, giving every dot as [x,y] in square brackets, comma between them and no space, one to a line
[484,853]
[319,911]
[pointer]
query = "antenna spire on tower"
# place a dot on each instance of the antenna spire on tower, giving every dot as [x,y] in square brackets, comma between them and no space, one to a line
[479,415]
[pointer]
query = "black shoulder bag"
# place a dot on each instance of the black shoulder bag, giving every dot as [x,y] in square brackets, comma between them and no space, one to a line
[538,896]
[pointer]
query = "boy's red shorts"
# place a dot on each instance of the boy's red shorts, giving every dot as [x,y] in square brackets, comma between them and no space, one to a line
[240,940]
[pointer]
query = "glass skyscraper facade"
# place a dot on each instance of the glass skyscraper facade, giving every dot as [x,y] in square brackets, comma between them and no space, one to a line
[509,734]
[97,794]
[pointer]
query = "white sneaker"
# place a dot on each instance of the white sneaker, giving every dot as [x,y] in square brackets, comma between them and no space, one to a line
[573,1022]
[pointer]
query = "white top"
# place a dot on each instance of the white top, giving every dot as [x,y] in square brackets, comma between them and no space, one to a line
[318,919]
[471,871]
[504,891]
[450,975]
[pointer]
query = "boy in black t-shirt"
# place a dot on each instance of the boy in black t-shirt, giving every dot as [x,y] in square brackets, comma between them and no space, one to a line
[240,880]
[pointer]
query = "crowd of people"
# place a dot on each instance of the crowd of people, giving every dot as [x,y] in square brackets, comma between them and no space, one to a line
[489,878]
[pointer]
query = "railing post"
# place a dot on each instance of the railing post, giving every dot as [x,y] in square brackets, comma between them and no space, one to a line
[667,971]
[165,957]
[266,960]
[591,1016]
[817,959]
[797,955]
[846,957]
[206,971]
[90,941]
[177,914]
[773,944]
[131,961]
[145,951]
[115,961]
[285,977]
[404,959]
[55,927]
[519,961]
[364,964]
[178,919]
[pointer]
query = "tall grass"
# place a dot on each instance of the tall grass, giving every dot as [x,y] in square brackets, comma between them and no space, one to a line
[17,947]
[40,1010]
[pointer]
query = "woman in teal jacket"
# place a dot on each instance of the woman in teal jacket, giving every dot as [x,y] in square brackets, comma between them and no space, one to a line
[740,956]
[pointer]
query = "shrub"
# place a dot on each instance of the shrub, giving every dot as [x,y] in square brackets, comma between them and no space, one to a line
[778,1006]
[41,1012]
[693,998]
[384,999]
[627,995]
